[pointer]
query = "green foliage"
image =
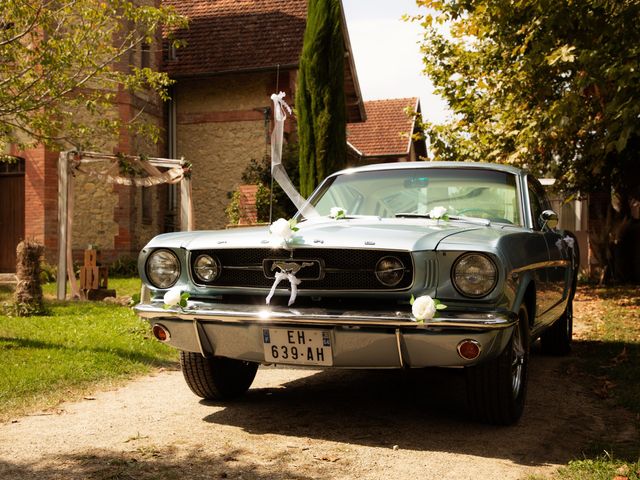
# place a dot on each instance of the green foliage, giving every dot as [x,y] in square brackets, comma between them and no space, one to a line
[48,272]
[124,266]
[76,345]
[258,172]
[553,86]
[320,97]
[62,63]
[233,210]
[606,467]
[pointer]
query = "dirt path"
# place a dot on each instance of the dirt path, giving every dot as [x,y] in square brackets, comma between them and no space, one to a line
[299,424]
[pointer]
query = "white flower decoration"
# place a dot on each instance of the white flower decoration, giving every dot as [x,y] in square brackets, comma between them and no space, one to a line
[172,297]
[437,213]
[283,228]
[425,308]
[337,212]
[570,241]
[175,298]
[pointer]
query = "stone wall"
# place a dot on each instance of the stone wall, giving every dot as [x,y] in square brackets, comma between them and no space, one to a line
[220,129]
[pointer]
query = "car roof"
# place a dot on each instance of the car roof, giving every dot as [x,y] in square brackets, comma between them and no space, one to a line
[429,164]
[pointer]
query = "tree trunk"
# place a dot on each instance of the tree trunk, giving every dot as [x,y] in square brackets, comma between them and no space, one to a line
[609,241]
[28,294]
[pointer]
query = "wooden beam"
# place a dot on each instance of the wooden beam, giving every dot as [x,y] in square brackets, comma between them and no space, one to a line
[63,198]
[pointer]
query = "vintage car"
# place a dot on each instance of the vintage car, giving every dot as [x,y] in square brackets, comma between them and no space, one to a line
[337,288]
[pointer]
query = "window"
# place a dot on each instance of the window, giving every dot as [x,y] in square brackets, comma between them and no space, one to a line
[471,192]
[538,202]
[145,55]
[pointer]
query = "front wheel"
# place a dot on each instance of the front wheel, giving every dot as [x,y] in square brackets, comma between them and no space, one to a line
[496,389]
[217,378]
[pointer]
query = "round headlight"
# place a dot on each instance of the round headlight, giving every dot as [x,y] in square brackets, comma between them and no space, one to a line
[474,275]
[163,268]
[206,268]
[389,271]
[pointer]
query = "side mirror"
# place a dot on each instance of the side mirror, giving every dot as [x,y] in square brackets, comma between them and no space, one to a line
[548,220]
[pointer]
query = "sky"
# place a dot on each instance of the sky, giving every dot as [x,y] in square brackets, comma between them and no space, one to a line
[387,54]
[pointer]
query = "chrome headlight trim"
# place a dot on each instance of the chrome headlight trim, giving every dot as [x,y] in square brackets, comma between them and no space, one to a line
[206,268]
[163,268]
[390,273]
[474,275]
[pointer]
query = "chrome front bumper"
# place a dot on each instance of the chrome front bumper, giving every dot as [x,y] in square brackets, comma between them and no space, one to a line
[360,339]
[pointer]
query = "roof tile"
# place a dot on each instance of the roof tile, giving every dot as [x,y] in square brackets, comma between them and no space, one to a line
[386,130]
[237,35]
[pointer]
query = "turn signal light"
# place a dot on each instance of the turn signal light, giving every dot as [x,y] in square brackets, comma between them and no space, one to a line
[469,349]
[161,332]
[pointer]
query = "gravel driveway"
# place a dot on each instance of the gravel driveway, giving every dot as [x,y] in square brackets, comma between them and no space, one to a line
[299,424]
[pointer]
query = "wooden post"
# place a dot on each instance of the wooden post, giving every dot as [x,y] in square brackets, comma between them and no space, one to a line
[186,213]
[63,197]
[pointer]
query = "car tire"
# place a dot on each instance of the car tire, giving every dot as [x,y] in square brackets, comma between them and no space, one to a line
[557,339]
[496,389]
[217,378]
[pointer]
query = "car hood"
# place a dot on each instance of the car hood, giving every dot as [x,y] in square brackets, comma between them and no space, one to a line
[368,232]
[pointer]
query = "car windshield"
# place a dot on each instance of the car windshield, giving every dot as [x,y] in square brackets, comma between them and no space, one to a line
[470,192]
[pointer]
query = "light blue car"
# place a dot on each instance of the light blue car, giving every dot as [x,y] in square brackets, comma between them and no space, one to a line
[362,281]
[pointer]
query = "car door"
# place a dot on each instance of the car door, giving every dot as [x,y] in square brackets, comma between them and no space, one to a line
[555,269]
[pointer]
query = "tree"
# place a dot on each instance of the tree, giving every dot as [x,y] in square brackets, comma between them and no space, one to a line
[320,98]
[550,85]
[62,63]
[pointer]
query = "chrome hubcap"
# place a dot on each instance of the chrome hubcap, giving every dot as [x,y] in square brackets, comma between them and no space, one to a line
[517,363]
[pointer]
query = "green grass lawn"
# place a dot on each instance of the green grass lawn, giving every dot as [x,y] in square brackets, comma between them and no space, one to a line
[72,349]
[609,352]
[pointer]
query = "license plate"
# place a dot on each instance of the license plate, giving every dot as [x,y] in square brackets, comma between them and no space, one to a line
[297,347]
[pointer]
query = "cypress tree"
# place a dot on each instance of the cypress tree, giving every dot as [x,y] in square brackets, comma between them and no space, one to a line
[320,98]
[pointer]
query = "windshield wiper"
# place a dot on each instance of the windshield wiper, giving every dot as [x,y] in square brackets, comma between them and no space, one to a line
[463,218]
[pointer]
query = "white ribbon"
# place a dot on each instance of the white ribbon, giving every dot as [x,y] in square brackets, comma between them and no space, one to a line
[278,172]
[294,286]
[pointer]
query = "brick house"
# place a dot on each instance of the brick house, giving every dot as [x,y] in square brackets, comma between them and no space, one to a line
[238,53]
[387,134]
[117,219]
[220,112]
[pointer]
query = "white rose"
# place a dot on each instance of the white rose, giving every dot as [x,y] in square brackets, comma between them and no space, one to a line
[423,308]
[337,212]
[437,212]
[281,228]
[172,297]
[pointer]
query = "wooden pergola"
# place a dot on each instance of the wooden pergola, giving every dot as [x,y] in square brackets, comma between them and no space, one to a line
[174,172]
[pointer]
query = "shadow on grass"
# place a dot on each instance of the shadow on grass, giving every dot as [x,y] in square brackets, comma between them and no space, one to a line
[7,343]
[146,464]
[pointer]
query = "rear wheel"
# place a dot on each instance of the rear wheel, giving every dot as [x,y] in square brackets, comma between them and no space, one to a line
[217,378]
[496,389]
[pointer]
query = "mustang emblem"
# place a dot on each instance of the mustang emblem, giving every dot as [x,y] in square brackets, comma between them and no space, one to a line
[287,270]
[290,267]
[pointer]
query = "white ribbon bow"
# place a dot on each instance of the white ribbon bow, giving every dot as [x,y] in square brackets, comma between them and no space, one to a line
[294,286]
[278,172]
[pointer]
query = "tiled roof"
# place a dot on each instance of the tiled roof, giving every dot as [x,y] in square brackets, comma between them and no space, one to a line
[387,129]
[237,35]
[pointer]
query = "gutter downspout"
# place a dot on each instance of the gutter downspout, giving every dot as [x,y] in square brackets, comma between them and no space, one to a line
[172,152]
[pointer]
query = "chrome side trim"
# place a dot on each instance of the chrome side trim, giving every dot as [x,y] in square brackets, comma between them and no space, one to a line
[247,314]
[399,344]
[198,339]
[546,264]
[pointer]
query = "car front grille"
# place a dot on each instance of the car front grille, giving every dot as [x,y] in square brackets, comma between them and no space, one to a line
[327,269]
